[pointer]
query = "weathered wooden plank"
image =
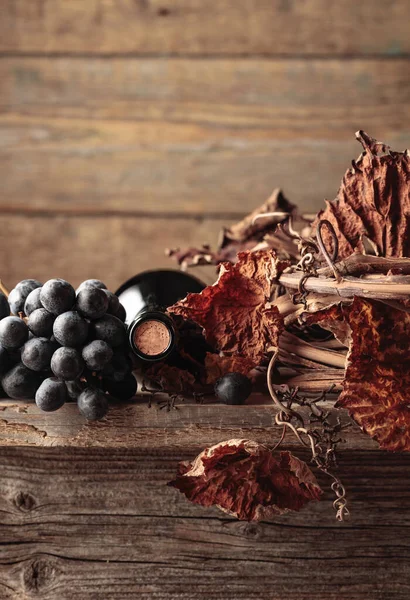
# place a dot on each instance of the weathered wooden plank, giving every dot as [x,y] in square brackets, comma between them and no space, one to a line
[293,97]
[134,425]
[193,136]
[108,248]
[194,27]
[87,523]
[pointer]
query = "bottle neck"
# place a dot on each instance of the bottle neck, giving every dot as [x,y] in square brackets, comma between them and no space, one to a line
[151,335]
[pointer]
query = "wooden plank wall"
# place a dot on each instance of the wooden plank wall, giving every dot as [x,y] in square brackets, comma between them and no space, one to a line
[130,125]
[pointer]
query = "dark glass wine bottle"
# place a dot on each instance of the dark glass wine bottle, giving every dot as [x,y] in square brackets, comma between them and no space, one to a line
[145,298]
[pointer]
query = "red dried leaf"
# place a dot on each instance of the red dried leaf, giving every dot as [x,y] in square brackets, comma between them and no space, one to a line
[235,312]
[216,366]
[244,235]
[331,318]
[171,379]
[373,202]
[377,380]
[246,480]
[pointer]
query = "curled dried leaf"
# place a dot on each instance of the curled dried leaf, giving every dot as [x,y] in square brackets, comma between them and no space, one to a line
[372,207]
[171,379]
[244,235]
[377,380]
[216,366]
[246,480]
[236,312]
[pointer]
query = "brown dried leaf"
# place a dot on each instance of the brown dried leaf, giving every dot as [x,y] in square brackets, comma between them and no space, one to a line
[333,319]
[377,380]
[171,379]
[241,236]
[235,312]
[216,366]
[373,203]
[246,480]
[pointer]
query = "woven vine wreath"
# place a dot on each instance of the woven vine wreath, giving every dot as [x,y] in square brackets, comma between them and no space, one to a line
[318,307]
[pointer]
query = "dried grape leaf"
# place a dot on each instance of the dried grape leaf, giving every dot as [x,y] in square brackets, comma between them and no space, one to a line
[241,236]
[236,312]
[333,319]
[216,366]
[373,203]
[171,379]
[377,380]
[246,480]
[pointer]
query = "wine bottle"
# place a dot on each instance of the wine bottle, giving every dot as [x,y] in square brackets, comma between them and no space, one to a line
[146,297]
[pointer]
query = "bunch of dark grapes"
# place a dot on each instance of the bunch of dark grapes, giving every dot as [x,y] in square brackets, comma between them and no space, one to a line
[62,345]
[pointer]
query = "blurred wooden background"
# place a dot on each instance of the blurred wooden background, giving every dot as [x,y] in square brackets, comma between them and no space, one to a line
[128,126]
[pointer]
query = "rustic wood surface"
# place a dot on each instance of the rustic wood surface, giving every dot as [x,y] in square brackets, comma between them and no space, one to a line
[189,136]
[86,513]
[196,27]
[128,126]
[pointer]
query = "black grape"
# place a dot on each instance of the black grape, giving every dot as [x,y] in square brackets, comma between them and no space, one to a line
[97,354]
[75,387]
[118,368]
[13,332]
[6,361]
[93,404]
[233,388]
[113,303]
[18,295]
[123,390]
[110,330]
[21,382]
[36,354]
[57,296]
[32,301]
[91,283]
[41,322]
[4,306]
[121,314]
[92,302]
[67,363]
[70,329]
[51,395]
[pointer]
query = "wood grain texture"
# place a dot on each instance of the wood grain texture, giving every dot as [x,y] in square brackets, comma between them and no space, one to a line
[134,425]
[195,27]
[111,249]
[91,524]
[191,136]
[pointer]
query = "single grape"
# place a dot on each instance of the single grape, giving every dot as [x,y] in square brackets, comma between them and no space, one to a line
[70,329]
[97,354]
[21,382]
[121,314]
[123,390]
[36,354]
[93,404]
[233,388]
[41,322]
[113,303]
[13,332]
[57,296]
[75,387]
[110,330]
[4,307]
[118,368]
[6,361]
[51,395]
[33,301]
[19,294]
[67,363]
[92,302]
[91,283]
